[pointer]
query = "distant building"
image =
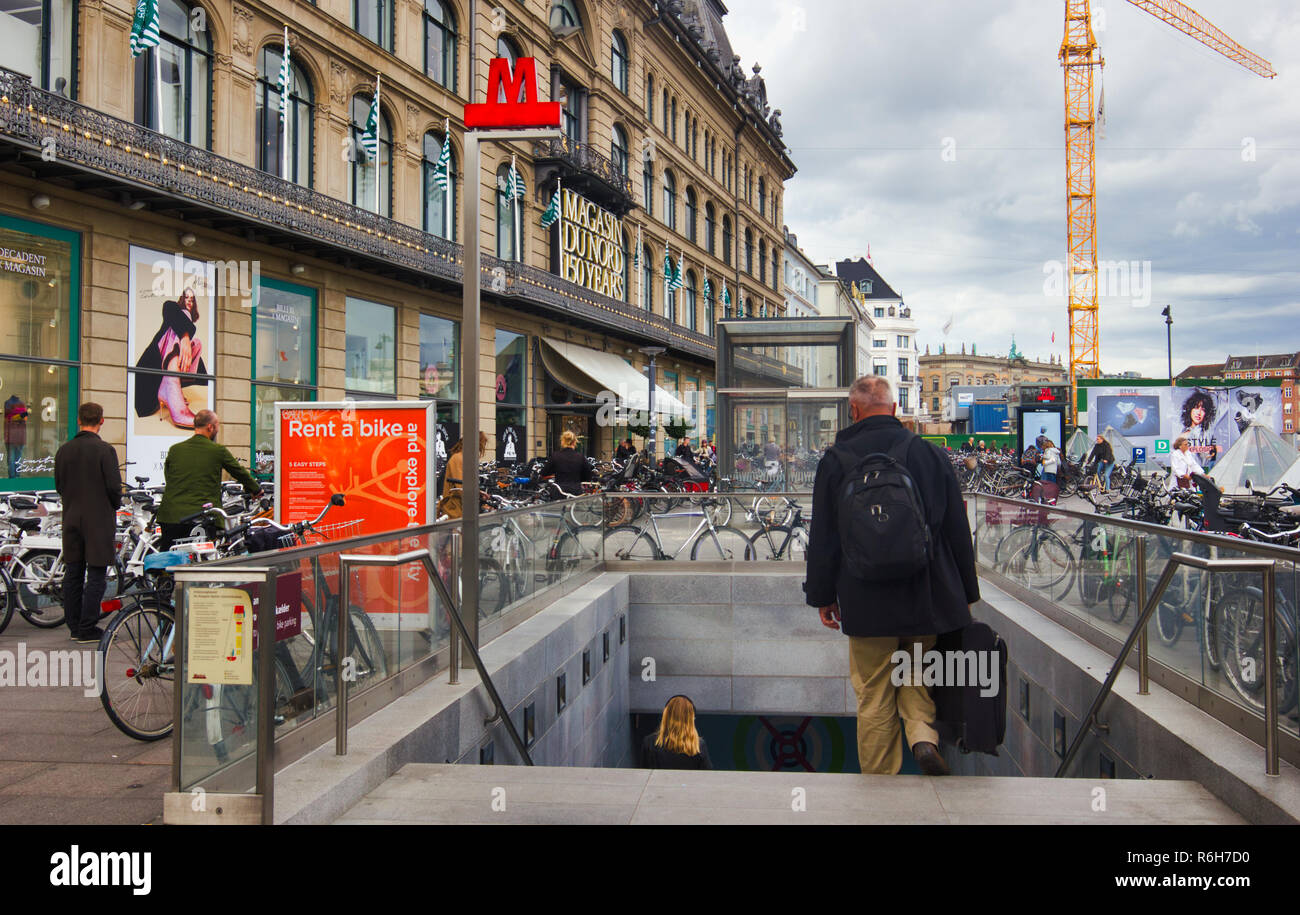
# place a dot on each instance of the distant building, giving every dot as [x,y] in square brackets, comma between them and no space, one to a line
[1284,366]
[1211,371]
[893,351]
[940,372]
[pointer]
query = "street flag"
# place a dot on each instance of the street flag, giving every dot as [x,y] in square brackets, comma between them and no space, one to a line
[514,183]
[726,299]
[947,327]
[144,27]
[668,270]
[370,138]
[708,290]
[1101,114]
[442,172]
[678,281]
[282,81]
[552,214]
[1053,336]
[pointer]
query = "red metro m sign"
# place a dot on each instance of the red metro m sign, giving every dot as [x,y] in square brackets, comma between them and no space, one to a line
[514,111]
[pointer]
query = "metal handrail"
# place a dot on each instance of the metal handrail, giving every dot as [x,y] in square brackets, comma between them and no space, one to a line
[346,562]
[1268,568]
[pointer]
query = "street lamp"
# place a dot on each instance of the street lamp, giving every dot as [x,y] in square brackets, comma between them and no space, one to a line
[652,352]
[1169,340]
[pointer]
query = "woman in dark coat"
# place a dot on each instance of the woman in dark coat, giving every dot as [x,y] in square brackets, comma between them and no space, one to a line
[569,468]
[677,744]
[175,348]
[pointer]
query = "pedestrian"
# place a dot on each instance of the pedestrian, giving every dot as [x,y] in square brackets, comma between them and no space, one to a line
[1214,456]
[684,451]
[676,744]
[880,614]
[624,450]
[90,485]
[981,449]
[969,445]
[1104,455]
[192,477]
[569,468]
[1182,464]
[450,504]
[1050,459]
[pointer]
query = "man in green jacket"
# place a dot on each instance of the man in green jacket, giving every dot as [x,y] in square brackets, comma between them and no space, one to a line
[192,475]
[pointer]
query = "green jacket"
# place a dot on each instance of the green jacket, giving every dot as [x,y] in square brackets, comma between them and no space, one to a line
[193,477]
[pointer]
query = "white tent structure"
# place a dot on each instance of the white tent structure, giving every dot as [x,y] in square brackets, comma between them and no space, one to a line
[1122,447]
[1292,476]
[1259,458]
[1078,445]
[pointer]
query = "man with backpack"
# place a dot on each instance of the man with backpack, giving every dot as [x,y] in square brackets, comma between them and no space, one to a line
[890,562]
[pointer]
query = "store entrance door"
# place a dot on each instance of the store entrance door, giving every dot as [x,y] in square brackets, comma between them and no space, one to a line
[583,425]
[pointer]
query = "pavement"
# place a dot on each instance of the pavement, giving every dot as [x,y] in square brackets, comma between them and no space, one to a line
[62,761]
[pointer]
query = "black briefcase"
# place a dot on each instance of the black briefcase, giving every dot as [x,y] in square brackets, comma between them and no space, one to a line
[970,721]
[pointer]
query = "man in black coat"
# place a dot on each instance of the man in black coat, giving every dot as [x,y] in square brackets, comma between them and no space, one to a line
[87,478]
[882,618]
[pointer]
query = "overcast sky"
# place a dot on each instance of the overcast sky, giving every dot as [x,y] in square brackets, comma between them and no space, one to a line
[872,90]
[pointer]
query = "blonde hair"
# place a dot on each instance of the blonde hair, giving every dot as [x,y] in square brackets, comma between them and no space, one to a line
[677,732]
[568,439]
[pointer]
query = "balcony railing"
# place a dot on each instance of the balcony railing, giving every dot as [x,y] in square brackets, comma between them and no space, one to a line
[98,143]
[586,164]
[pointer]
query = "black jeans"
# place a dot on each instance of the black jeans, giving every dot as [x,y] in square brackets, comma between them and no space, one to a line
[83,589]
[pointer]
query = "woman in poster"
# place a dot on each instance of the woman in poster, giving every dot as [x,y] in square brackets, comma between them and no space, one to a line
[175,348]
[1198,419]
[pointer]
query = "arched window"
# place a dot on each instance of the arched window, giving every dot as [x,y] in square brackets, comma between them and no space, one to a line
[665,112]
[674,131]
[439,205]
[762,196]
[288,140]
[776,266]
[691,213]
[688,305]
[374,20]
[648,187]
[749,251]
[648,278]
[510,219]
[650,97]
[670,200]
[564,15]
[618,149]
[506,48]
[186,65]
[726,240]
[618,61]
[440,43]
[708,309]
[710,225]
[762,260]
[364,168]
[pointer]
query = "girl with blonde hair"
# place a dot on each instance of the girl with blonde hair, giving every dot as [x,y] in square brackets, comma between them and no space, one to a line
[677,744]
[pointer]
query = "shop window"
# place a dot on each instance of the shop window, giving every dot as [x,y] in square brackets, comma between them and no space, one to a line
[284,359]
[511,389]
[440,380]
[274,149]
[185,65]
[371,347]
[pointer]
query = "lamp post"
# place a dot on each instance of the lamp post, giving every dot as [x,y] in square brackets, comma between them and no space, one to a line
[652,352]
[1169,341]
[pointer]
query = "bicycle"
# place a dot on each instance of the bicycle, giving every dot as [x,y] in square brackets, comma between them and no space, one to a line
[708,541]
[783,541]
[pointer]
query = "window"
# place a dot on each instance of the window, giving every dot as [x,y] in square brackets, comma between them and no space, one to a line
[934,404]
[39,348]
[509,219]
[762,260]
[902,342]
[726,240]
[708,308]
[691,214]
[689,301]
[440,43]
[439,204]
[665,111]
[512,369]
[878,343]
[762,196]
[370,345]
[275,145]
[362,173]
[373,19]
[284,359]
[670,200]
[880,368]
[185,62]
[879,311]
[674,119]
[749,252]
[776,259]
[710,226]
[618,149]
[42,42]
[648,187]
[564,15]
[902,399]
[650,97]
[573,108]
[439,379]
[902,369]
[506,48]
[618,61]
[648,279]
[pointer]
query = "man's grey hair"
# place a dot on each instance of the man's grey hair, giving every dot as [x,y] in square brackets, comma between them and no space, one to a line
[872,392]
[203,419]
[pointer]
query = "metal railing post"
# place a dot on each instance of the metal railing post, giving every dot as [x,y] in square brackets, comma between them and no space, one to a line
[1144,654]
[265,760]
[340,660]
[453,579]
[1270,675]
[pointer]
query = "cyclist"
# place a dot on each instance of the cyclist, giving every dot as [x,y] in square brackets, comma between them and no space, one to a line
[1104,455]
[192,477]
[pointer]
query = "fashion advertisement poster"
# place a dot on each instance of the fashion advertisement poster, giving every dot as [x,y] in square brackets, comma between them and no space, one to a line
[170,308]
[1211,418]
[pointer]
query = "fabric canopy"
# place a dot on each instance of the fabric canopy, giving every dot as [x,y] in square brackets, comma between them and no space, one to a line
[591,372]
[1260,457]
[1078,445]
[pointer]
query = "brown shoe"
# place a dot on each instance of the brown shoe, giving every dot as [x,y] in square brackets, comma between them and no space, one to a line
[928,758]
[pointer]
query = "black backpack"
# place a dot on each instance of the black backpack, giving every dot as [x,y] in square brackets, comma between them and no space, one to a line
[883,532]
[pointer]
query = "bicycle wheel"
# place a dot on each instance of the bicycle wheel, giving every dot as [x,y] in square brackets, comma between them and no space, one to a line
[629,543]
[721,543]
[1039,559]
[1122,584]
[583,512]
[1241,650]
[772,511]
[367,650]
[574,548]
[7,602]
[138,671]
[780,543]
[493,587]
[40,593]
[717,508]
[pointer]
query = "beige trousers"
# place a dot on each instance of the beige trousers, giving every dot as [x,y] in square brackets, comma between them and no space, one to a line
[881,703]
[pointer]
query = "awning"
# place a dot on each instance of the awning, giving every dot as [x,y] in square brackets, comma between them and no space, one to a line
[591,372]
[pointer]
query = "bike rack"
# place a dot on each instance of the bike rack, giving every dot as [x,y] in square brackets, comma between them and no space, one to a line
[347,562]
[1139,636]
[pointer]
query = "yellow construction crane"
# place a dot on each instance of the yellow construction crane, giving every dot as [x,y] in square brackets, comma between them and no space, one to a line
[1081,56]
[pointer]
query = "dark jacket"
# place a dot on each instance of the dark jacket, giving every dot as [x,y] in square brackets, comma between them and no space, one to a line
[623,452]
[653,757]
[569,468]
[88,481]
[1101,452]
[936,599]
[192,472]
[147,384]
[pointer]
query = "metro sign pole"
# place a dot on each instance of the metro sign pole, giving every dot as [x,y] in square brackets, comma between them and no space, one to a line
[509,117]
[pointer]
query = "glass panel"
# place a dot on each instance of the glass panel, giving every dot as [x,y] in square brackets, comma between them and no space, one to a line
[285,323]
[37,410]
[439,362]
[759,431]
[775,365]
[36,293]
[370,346]
[512,357]
[264,400]
[811,426]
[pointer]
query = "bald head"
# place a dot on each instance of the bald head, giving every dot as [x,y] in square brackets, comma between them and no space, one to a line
[870,395]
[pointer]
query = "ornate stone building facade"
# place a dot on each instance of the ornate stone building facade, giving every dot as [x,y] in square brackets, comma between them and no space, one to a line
[941,371]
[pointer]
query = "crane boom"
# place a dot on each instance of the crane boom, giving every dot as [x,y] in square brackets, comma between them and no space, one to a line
[1189,22]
